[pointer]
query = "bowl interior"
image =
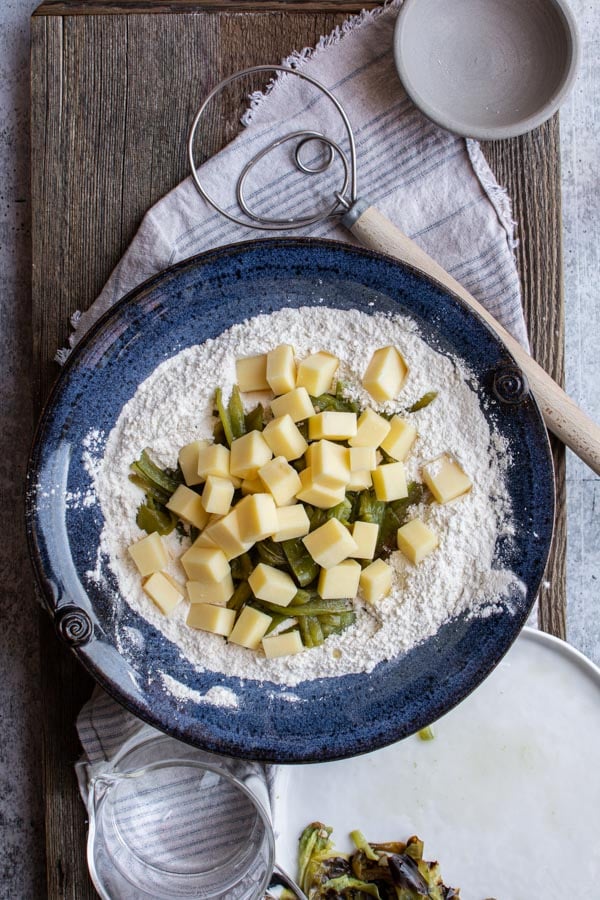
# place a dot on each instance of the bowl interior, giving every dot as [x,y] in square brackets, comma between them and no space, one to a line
[486,68]
[321,718]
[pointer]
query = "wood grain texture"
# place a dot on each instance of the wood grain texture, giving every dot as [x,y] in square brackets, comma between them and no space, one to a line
[529,167]
[112,99]
[151,7]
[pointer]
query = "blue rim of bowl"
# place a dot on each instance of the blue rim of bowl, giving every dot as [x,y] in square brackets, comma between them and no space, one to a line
[523,126]
[325,749]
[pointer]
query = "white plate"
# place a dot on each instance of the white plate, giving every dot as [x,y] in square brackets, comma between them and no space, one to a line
[507,796]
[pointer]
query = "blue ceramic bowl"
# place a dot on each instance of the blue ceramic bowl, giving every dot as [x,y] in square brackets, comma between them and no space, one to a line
[185,305]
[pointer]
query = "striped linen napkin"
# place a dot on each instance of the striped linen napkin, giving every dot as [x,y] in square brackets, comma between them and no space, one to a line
[435,186]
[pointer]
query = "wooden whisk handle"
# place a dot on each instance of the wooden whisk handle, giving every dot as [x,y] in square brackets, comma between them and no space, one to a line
[561,414]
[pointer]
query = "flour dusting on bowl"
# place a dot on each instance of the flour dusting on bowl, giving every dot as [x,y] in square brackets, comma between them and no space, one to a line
[173,406]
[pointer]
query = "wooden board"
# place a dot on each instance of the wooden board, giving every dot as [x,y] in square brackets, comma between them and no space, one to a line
[114,88]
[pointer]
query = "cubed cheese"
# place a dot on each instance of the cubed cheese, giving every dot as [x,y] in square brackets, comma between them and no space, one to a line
[252,486]
[376,581]
[330,464]
[188,461]
[251,373]
[250,628]
[445,478]
[416,540]
[217,593]
[340,581]
[215,619]
[365,534]
[248,454]
[296,404]
[315,373]
[285,438]
[317,494]
[272,585]
[330,544]
[386,374]
[372,429]
[204,540]
[389,482]
[163,591]
[335,426]
[292,522]
[187,505]
[360,480]
[226,535]
[362,458]
[400,439]
[149,554]
[281,369]
[282,644]
[205,564]
[217,495]
[257,517]
[213,460]
[281,480]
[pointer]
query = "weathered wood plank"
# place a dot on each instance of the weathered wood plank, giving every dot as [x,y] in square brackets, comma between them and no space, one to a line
[529,166]
[151,7]
[112,98]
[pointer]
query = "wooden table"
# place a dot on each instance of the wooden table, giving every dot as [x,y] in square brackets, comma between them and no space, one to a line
[114,89]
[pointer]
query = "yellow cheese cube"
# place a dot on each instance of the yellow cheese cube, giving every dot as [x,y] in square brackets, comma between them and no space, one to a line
[385,375]
[188,461]
[445,478]
[296,404]
[285,438]
[281,369]
[371,431]
[360,480]
[335,426]
[248,454]
[217,495]
[315,373]
[400,439]
[149,554]
[376,581]
[362,461]
[163,591]
[250,628]
[187,504]
[251,373]
[292,522]
[340,581]
[317,494]
[365,534]
[252,486]
[416,540]
[213,460]
[215,619]
[257,517]
[204,540]
[362,458]
[205,564]
[389,481]
[280,479]
[282,644]
[217,593]
[272,585]
[226,535]
[330,464]
[330,544]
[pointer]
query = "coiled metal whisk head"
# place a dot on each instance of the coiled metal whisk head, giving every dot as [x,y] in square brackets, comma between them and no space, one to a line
[344,198]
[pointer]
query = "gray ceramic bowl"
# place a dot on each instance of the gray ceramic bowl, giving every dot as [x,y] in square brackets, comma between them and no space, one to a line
[486,69]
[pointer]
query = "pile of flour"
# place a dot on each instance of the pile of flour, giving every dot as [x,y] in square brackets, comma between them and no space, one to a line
[174,406]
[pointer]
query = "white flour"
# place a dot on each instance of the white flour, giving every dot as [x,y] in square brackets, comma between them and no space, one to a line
[174,406]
